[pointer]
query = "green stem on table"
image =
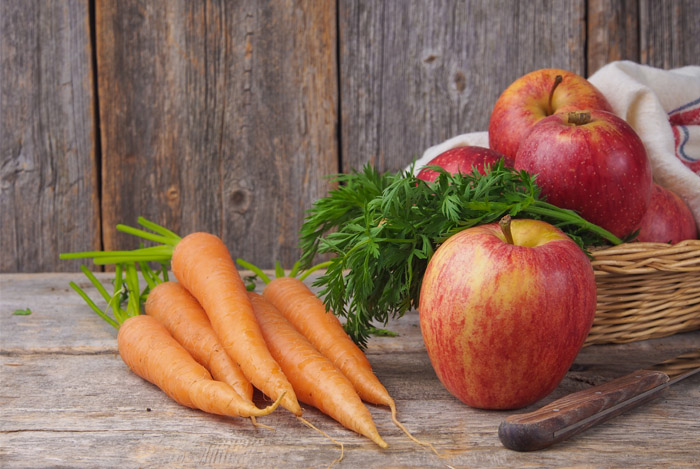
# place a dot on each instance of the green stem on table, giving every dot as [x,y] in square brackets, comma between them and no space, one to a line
[130,284]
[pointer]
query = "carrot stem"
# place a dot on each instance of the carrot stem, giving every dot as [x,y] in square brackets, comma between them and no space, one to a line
[148,253]
[148,235]
[148,275]
[130,257]
[310,270]
[161,230]
[93,306]
[96,283]
[279,271]
[295,269]
[255,269]
[114,302]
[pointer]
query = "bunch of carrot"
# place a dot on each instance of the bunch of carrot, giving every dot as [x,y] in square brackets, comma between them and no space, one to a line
[282,342]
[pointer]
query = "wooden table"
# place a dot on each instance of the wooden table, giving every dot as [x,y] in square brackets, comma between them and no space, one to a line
[67,399]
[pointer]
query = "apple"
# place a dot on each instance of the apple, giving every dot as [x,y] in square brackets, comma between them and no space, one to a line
[464,160]
[668,219]
[504,311]
[592,162]
[535,96]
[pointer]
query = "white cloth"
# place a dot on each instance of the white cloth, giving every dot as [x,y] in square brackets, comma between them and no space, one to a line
[663,106]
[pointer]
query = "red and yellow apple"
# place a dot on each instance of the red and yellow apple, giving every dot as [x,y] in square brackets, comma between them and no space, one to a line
[535,96]
[463,159]
[503,316]
[668,219]
[592,162]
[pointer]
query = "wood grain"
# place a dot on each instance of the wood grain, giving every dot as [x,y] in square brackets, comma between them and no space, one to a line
[613,32]
[668,33]
[49,200]
[226,116]
[416,73]
[67,399]
[217,117]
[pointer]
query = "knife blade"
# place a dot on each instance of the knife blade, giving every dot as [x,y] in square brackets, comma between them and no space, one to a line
[581,410]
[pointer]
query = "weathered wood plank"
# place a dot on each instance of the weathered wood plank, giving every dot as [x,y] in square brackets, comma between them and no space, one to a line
[48,171]
[669,32]
[416,73]
[63,405]
[613,32]
[217,116]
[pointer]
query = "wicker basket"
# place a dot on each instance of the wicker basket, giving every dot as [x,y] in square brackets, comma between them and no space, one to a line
[645,291]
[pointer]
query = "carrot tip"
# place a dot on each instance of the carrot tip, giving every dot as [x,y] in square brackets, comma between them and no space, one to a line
[394,419]
[261,425]
[269,409]
[342,448]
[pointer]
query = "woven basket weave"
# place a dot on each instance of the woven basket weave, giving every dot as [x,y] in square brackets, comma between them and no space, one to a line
[645,291]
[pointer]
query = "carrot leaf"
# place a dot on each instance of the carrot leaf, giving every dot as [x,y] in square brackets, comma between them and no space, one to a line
[382,230]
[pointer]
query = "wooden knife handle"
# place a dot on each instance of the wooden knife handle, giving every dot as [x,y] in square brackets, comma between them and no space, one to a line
[576,412]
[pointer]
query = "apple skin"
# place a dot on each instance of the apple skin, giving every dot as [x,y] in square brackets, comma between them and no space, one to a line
[526,101]
[464,160]
[599,169]
[667,220]
[502,323]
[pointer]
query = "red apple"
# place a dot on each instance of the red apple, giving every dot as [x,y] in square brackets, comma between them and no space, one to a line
[668,219]
[592,162]
[503,319]
[464,160]
[533,97]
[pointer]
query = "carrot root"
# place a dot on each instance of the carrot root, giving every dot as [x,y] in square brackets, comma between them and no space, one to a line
[394,419]
[342,448]
[257,424]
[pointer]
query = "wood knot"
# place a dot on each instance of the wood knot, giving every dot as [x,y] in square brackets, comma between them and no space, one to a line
[460,81]
[240,200]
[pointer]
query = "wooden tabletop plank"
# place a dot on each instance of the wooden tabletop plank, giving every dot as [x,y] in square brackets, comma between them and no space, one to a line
[67,399]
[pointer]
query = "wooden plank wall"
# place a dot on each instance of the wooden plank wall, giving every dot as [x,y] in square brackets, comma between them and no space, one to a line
[226,116]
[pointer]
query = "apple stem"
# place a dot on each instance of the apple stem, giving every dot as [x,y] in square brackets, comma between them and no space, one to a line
[504,223]
[557,80]
[579,117]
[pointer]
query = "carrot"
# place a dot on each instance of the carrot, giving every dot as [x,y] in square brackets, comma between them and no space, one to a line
[315,379]
[181,314]
[203,265]
[307,313]
[152,353]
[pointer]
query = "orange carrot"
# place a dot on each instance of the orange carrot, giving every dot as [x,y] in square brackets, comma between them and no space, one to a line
[181,314]
[315,379]
[322,328]
[203,265]
[153,354]
[308,314]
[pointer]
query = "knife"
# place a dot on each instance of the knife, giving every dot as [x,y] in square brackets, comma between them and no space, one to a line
[576,412]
